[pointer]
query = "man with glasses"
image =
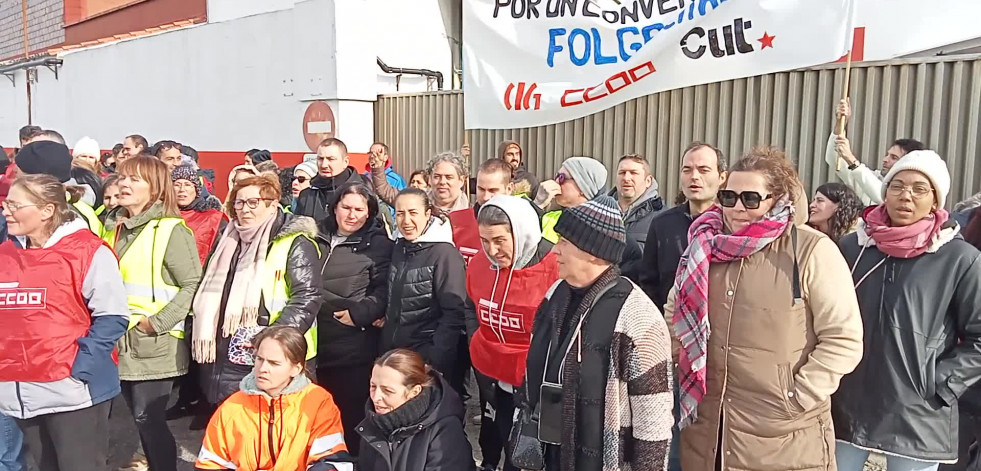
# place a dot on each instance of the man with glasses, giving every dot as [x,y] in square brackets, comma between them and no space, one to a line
[703,172]
[579,180]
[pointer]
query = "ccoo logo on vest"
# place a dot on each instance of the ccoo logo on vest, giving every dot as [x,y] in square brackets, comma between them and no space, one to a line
[492,314]
[14,297]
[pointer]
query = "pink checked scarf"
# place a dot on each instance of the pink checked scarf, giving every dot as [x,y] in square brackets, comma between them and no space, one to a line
[903,241]
[707,243]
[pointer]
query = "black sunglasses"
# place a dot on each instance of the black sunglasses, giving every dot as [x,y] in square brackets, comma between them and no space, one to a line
[301,179]
[750,199]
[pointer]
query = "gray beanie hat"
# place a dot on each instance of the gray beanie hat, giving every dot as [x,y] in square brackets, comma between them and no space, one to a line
[588,173]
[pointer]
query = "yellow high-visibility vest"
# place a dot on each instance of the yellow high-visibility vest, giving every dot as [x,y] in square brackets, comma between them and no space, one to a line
[142,268]
[274,289]
[549,220]
[90,216]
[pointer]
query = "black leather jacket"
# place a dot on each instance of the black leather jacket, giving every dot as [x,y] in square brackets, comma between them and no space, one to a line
[220,379]
[922,349]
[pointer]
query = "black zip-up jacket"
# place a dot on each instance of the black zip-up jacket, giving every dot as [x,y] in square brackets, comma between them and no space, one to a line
[435,442]
[355,278]
[922,349]
[667,239]
[427,293]
[315,201]
[221,379]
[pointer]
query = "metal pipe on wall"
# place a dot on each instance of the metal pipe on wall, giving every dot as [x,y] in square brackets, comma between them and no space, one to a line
[27,52]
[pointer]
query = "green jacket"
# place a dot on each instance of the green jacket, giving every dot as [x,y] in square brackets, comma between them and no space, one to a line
[160,355]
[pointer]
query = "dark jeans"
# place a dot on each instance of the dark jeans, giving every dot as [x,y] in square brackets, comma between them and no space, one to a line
[489,438]
[69,441]
[497,406]
[350,386]
[147,401]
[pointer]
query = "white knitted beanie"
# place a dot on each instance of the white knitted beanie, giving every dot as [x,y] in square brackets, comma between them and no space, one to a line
[929,164]
[87,146]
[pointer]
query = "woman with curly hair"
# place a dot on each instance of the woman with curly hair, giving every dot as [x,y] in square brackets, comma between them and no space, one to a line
[835,210]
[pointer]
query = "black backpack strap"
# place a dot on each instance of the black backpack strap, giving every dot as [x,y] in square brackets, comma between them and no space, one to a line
[798,297]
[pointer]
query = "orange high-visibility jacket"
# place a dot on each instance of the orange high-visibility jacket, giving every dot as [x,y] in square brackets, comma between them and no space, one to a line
[295,431]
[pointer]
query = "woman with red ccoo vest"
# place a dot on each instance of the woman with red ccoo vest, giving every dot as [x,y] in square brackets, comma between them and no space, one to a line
[505,287]
[57,371]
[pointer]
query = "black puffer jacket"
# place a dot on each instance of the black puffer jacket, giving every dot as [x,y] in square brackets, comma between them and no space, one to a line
[427,293]
[355,278]
[922,348]
[221,379]
[314,201]
[424,434]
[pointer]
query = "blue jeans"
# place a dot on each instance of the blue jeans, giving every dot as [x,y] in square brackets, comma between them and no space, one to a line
[11,445]
[852,458]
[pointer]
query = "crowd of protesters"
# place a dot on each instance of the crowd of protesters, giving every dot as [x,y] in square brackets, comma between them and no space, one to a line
[324,317]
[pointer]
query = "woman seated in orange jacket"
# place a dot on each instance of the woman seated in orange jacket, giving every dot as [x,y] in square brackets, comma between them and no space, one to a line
[279,420]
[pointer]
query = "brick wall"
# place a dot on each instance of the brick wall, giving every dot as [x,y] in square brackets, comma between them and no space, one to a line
[45,26]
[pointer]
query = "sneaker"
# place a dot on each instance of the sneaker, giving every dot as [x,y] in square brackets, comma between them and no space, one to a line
[139,463]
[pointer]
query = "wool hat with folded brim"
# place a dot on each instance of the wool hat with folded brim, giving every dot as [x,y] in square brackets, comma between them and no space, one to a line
[926,162]
[595,227]
[46,158]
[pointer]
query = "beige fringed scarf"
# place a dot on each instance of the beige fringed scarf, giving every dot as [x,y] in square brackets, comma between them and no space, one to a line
[242,306]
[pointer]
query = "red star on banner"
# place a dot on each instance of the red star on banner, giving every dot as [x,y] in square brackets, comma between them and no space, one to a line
[766,41]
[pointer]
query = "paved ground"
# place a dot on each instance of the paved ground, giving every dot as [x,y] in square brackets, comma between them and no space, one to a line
[124,441]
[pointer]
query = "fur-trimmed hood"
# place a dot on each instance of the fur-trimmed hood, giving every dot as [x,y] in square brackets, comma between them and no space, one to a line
[290,224]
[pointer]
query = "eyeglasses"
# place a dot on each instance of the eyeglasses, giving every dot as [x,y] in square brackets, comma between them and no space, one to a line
[561,178]
[252,203]
[301,179]
[750,199]
[918,191]
[14,207]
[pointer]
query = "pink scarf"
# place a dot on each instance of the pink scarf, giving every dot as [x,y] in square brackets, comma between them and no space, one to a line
[903,241]
[708,243]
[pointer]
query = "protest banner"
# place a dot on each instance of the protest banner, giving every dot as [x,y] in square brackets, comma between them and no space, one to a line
[537,62]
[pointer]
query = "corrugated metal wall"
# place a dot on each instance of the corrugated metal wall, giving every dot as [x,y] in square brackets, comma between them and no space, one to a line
[936,100]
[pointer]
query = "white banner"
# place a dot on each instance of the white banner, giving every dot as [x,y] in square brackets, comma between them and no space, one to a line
[536,62]
[894,28]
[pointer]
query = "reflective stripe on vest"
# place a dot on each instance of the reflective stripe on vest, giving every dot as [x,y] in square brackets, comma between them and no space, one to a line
[95,225]
[274,290]
[142,268]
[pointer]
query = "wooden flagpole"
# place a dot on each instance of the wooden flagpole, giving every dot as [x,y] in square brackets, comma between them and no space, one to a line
[840,125]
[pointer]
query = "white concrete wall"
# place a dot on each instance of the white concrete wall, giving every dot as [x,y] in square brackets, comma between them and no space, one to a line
[13,109]
[234,84]
[411,34]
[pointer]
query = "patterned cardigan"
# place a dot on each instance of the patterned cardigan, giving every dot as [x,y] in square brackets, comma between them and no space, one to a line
[638,397]
[639,393]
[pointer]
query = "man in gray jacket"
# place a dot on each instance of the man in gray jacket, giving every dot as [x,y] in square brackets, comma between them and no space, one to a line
[636,193]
